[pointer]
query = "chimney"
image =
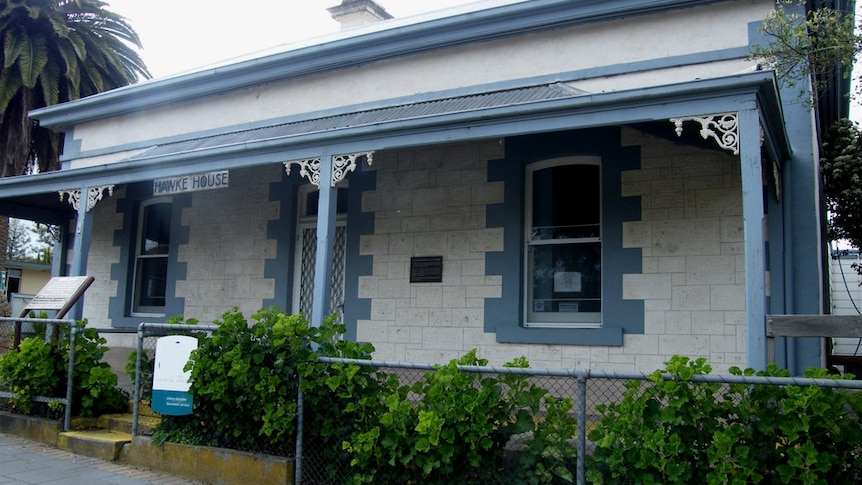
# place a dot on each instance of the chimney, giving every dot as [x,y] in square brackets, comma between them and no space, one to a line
[353,13]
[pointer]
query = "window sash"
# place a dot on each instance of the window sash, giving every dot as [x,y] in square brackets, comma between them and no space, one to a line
[149,283]
[562,264]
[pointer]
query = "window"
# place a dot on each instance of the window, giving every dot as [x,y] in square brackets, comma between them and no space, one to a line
[563,254]
[151,258]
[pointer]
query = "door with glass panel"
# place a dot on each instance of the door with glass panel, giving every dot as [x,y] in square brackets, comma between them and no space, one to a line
[306,251]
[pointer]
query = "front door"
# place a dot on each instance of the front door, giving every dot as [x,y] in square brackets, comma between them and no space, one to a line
[306,252]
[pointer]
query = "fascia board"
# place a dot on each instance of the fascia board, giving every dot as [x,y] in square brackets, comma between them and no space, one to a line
[398,39]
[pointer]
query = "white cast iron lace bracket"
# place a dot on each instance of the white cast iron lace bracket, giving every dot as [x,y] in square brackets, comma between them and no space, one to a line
[94,195]
[341,166]
[723,128]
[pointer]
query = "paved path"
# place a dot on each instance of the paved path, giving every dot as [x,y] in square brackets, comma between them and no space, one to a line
[28,462]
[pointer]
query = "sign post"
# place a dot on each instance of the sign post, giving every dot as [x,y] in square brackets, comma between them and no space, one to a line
[170,382]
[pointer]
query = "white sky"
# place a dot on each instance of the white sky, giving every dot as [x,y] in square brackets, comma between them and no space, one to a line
[182,35]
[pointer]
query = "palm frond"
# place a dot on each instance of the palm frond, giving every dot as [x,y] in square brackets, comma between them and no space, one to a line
[49,81]
[32,59]
[10,84]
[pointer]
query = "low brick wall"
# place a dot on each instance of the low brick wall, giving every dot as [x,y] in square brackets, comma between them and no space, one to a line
[210,465]
[36,429]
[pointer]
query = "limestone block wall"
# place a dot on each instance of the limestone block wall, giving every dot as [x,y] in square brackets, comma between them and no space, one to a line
[432,201]
[103,253]
[690,233]
[422,209]
[228,246]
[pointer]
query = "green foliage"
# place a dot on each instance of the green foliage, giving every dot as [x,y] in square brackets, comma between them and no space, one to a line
[790,434]
[681,431]
[450,427]
[841,167]
[36,369]
[658,432]
[39,368]
[56,51]
[810,46]
[94,390]
[244,380]
[453,426]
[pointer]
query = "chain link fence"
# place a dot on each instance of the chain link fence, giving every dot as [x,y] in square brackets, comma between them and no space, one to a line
[588,391]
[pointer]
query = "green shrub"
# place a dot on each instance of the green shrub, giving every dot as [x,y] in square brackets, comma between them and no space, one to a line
[682,431]
[36,369]
[660,431]
[453,426]
[39,368]
[789,434]
[244,381]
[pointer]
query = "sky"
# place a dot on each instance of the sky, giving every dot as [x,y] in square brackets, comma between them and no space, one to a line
[182,35]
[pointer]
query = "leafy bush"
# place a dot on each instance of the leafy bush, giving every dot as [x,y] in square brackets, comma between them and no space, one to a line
[659,432]
[36,369]
[244,381]
[790,434]
[682,431]
[450,427]
[39,368]
[453,426]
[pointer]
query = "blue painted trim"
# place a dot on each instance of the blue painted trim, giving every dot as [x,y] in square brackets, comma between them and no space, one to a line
[392,40]
[71,153]
[754,236]
[326,213]
[71,145]
[125,238]
[283,231]
[803,239]
[503,315]
[359,224]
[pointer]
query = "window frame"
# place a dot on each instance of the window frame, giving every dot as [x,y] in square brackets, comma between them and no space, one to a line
[135,309]
[586,320]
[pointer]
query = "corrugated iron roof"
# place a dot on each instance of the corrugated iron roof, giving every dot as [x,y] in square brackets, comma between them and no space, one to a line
[403,112]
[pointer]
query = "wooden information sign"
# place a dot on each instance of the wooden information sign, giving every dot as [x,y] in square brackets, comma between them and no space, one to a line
[60,294]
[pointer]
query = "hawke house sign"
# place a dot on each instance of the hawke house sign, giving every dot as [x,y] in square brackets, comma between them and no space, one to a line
[191,183]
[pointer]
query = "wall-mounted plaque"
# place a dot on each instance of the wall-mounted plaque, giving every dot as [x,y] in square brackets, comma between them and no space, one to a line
[426,269]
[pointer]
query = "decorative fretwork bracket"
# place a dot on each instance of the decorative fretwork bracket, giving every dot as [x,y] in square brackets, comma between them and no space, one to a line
[94,195]
[723,128]
[341,166]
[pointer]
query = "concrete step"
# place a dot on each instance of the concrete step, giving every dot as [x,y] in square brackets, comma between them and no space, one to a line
[123,422]
[97,443]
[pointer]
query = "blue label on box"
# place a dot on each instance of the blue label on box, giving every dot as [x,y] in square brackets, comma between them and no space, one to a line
[172,403]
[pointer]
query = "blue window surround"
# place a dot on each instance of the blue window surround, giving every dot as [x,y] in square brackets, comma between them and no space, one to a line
[119,307]
[503,316]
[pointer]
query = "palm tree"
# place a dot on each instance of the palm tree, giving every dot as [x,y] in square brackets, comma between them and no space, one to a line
[55,51]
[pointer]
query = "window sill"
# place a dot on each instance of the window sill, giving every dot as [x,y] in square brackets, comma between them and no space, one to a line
[558,335]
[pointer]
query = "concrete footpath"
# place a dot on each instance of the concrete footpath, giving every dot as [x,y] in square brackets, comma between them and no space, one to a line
[29,462]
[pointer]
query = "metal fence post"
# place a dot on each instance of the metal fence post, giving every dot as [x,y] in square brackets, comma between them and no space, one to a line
[582,427]
[67,419]
[136,402]
[297,463]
